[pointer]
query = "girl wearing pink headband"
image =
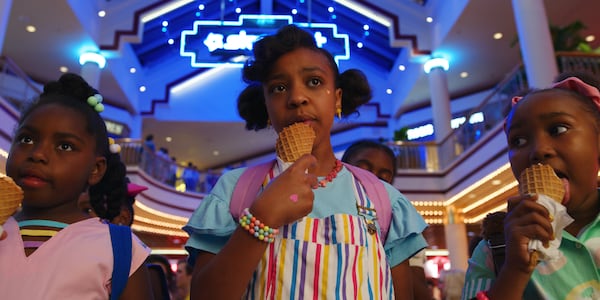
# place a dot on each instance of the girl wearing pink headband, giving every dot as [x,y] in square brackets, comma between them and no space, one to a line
[558,126]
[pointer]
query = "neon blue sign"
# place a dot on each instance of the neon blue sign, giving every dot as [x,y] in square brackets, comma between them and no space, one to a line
[214,43]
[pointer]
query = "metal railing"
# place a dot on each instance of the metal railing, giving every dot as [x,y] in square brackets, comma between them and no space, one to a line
[432,157]
[15,85]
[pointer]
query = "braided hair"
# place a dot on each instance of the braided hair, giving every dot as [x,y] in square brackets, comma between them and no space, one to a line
[72,91]
[251,101]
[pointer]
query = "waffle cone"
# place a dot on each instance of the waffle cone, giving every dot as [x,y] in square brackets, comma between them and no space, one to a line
[541,179]
[11,196]
[295,141]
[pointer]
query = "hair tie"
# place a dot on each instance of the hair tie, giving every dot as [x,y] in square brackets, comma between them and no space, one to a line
[576,85]
[113,147]
[95,101]
[134,189]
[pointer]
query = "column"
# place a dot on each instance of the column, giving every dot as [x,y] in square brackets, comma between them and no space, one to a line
[91,65]
[457,242]
[5,6]
[535,42]
[440,106]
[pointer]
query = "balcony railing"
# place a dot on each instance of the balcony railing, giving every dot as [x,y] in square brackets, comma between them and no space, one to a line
[424,156]
[15,84]
[432,157]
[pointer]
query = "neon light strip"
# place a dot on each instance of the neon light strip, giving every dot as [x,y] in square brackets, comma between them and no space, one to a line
[173,5]
[180,233]
[334,29]
[365,12]
[483,180]
[263,18]
[158,223]
[490,196]
[160,213]
[239,22]
[480,217]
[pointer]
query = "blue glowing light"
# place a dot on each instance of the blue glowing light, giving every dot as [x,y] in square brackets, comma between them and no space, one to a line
[213,43]
[436,63]
[94,57]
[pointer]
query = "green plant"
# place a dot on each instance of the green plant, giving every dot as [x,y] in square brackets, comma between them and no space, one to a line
[568,38]
[401,134]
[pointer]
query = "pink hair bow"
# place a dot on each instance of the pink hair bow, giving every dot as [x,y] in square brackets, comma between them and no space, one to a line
[134,189]
[574,84]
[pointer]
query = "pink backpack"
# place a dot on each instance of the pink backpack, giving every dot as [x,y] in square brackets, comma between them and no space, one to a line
[251,180]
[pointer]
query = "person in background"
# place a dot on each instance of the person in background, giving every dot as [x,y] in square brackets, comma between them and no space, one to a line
[380,160]
[54,251]
[184,279]
[148,154]
[170,280]
[191,177]
[291,80]
[557,126]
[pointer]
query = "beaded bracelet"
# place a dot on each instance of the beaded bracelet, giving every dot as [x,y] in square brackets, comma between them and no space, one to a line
[257,228]
[482,295]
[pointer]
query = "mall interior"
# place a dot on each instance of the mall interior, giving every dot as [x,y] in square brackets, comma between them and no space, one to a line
[442,73]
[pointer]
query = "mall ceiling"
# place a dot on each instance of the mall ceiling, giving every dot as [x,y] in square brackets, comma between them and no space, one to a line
[388,39]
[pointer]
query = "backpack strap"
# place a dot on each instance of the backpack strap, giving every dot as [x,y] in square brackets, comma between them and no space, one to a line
[120,237]
[248,186]
[378,194]
[251,180]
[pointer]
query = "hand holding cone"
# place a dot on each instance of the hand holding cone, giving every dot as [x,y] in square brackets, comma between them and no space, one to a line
[295,141]
[541,179]
[11,197]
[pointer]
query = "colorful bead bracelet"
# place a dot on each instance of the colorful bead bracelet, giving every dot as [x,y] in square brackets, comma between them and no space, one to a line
[257,228]
[482,295]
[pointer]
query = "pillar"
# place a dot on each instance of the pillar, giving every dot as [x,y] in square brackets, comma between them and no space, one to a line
[457,242]
[440,103]
[440,106]
[5,6]
[91,65]
[535,42]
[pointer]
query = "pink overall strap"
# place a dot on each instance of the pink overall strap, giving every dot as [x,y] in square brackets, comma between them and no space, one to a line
[247,187]
[378,194]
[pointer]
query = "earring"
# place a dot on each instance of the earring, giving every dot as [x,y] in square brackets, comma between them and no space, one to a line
[338,112]
[268,123]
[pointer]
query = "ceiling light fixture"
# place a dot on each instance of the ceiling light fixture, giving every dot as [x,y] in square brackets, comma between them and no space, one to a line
[464,74]
[101,13]
[93,57]
[498,35]
[365,12]
[480,182]
[63,69]
[437,62]
[163,10]
[30,28]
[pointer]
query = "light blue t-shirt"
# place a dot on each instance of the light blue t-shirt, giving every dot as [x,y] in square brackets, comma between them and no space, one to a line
[211,225]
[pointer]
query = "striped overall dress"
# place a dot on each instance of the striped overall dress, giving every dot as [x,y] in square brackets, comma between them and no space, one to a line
[337,257]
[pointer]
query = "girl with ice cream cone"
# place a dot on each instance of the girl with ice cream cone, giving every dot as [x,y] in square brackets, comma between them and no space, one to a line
[311,231]
[53,250]
[558,128]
